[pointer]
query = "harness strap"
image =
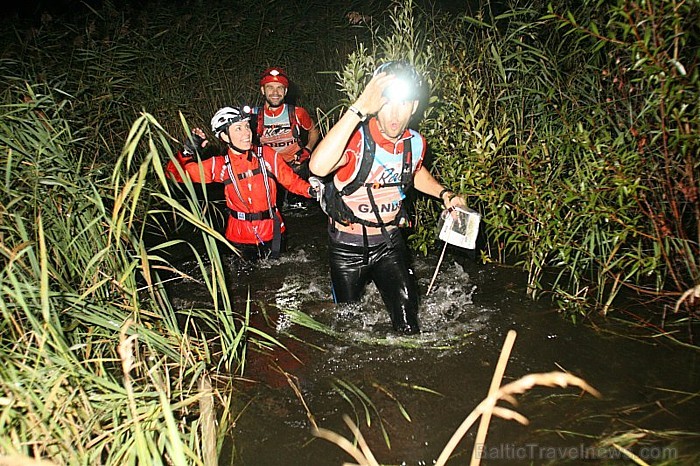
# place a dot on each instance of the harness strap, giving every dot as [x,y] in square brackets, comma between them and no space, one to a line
[382,224]
[250,216]
[377,185]
[366,162]
[271,208]
[407,169]
[263,215]
[249,173]
[365,246]
[360,180]
[294,124]
[231,178]
[260,128]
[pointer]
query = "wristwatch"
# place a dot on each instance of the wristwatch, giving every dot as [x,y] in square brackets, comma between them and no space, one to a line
[357,112]
[443,192]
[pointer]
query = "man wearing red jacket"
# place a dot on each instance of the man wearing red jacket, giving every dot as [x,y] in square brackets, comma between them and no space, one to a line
[250,175]
[287,128]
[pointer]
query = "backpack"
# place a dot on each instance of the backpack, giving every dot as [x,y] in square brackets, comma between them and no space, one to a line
[338,210]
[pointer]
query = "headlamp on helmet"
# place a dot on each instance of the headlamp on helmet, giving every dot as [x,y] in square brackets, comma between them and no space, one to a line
[227,116]
[407,84]
[274,75]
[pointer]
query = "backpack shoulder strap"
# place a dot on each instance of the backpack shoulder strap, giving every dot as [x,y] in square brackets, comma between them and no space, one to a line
[368,149]
[294,123]
[407,168]
[260,127]
[292,114]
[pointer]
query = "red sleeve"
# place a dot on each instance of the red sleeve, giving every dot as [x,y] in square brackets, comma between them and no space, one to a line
[192,168]
[303,118]
[352,154]
[172,172]
[284,173]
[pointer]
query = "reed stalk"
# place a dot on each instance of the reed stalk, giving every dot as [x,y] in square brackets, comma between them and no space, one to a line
[361,452]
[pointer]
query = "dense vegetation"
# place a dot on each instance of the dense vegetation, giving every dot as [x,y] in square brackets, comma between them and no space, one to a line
[573,130]
[576,134]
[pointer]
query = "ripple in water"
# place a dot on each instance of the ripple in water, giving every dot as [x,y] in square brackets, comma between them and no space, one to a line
[447,316]
[299,282]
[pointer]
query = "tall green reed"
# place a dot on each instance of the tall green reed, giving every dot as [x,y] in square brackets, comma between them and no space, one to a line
[98,368]
[83,187]
[548,142]
[648,74]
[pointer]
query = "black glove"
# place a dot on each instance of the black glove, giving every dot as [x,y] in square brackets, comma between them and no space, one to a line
[302,154]
[317,190]
[193,144]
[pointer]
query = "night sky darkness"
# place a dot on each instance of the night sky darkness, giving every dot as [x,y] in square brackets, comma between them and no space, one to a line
[31,10]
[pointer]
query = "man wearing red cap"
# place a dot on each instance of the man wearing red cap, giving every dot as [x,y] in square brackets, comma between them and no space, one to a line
[286,128]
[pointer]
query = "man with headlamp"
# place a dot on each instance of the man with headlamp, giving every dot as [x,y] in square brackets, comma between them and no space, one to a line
[375,158]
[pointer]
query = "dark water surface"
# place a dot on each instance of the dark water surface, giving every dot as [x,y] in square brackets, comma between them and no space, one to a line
[438,377]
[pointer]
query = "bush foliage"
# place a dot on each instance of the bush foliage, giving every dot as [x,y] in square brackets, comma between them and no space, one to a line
[574,132]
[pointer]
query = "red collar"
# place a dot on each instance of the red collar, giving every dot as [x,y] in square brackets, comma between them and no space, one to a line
[245,156]
[380,139]
[271,112]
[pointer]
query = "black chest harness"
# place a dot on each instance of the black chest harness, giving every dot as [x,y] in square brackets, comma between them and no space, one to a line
[338,210]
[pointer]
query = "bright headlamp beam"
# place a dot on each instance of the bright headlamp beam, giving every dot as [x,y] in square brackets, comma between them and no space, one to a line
[399,90]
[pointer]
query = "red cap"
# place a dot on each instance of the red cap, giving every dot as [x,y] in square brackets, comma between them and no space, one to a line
[274,74]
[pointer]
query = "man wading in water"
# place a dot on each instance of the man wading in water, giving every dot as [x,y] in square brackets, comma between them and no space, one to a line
[374,161]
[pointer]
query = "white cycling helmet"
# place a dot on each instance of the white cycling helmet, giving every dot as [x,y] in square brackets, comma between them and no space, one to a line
[226,116]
